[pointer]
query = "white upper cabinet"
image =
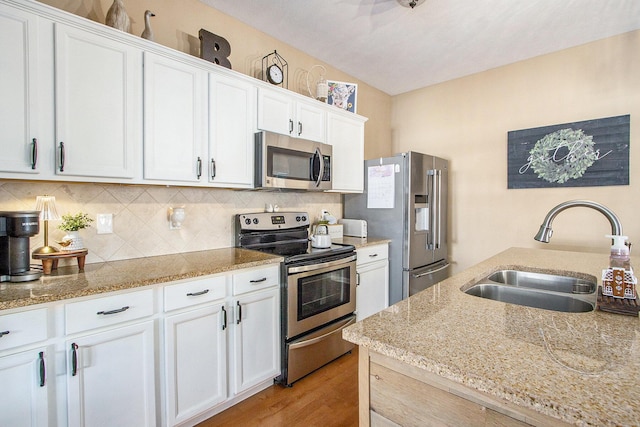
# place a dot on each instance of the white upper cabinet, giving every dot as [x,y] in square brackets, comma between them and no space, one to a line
[232,114]
[98,105]
[346,134]
[283,113]
[175,120]
[20,139]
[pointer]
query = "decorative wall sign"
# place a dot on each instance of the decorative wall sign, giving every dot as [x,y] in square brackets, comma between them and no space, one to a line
[214,48]
[580,154]
[342,95]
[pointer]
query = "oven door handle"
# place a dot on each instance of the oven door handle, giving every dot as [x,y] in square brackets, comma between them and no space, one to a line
[313,267]
[315,340]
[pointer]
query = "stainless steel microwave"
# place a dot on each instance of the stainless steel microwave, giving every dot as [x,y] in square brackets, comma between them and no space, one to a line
[291,163]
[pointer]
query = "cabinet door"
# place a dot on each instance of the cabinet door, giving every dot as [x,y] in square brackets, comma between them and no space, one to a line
[196,362]
[18,86]
[311,122]
[232,117]
[372,292]
[110,378]
[256,339]
[275,112]
[98,105]
[346,135]
[25,399]
[175,119]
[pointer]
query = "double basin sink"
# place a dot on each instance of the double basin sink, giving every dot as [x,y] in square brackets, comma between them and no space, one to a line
[558,291]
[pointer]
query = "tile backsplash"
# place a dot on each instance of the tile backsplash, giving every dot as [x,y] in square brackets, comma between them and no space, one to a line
[140,214]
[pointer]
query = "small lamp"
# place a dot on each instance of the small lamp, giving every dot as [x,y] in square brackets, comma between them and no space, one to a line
[47,207]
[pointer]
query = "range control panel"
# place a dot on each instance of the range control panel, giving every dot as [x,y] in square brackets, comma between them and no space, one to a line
[272,221]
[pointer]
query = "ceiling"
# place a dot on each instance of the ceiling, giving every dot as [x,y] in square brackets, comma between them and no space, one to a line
[398,49]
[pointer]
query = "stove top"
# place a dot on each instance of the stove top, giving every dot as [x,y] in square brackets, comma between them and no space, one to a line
[285,234]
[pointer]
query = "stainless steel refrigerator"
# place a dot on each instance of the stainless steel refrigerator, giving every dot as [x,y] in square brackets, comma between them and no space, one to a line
[405,200]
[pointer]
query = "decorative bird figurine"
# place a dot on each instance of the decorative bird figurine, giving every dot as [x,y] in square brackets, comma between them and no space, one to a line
[148,32]
[117,17]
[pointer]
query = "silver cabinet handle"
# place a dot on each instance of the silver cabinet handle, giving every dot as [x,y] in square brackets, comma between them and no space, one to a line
[224,318]
[34,153]
[199,168]
[239,312]
[258,280]
[118,310]
[61,156]
[74,359]
[213,168]
[43,370]
[196,294]
[3,333]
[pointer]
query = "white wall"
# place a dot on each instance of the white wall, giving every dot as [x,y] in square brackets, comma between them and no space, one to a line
[467,120]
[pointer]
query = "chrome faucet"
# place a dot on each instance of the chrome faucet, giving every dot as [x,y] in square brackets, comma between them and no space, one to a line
[545,232]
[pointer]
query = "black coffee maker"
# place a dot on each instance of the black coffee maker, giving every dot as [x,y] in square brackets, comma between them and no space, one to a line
[15,257]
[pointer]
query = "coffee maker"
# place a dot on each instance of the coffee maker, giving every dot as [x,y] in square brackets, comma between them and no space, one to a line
[15,257]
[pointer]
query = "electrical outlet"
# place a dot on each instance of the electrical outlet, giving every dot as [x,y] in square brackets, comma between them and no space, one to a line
[104,223]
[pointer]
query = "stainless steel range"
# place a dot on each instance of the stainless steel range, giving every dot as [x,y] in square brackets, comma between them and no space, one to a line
[318,289]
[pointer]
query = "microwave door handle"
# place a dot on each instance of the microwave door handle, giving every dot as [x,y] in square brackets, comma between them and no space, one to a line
[318,155]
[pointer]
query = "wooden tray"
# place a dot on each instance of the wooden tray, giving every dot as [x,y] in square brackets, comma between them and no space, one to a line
[609,304]
[50,261]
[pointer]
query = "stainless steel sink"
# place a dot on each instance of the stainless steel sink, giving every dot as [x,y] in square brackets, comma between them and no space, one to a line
[543,281]
[574,293]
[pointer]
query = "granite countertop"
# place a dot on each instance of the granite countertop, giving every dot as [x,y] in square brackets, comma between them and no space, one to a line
[583,368]
[68,282]
[361,242]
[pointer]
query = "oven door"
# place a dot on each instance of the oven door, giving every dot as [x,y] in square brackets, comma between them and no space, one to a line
[319,293]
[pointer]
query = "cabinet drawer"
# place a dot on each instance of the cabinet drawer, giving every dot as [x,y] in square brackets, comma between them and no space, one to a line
[253,280]
[106,311]
[23,328]
[372,254]
[194,292]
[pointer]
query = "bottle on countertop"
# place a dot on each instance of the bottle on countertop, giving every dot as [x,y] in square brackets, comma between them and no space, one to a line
[619,257]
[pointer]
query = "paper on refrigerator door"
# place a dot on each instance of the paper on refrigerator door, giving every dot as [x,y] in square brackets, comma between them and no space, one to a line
[381,189]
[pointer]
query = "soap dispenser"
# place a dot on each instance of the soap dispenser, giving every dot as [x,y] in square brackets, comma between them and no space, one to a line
[619,257]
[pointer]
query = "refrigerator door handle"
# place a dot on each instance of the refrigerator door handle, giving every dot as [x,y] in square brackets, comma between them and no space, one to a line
[432,271]
[434,176]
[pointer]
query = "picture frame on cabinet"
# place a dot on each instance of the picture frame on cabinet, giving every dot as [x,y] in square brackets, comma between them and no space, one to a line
[342,95]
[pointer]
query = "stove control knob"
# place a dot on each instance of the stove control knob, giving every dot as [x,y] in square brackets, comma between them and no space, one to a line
[255,220]
[304,218]
[298,218]
[247,221]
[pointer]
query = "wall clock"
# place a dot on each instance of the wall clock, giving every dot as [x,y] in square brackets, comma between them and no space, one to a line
[275,69]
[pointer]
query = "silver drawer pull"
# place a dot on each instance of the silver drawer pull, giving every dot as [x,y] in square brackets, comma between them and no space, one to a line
[118,310]
[3,333]
[373,255]
[258,280]
[196,294]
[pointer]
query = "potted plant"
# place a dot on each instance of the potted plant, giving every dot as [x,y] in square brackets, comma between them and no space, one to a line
[72,224]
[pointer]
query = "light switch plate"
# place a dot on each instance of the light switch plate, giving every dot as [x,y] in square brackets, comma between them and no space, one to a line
[104,223]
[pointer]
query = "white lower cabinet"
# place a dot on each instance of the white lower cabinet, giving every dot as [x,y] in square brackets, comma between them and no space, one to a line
[222,337]
[111,377]
[24,370]
[25,400]
[168,354]
[256,339]
[110,360]
[372,292]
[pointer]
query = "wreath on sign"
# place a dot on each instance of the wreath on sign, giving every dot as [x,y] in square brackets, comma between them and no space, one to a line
[563,155]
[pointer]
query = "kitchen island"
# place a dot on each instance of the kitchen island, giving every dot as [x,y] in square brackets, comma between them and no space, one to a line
[461,359]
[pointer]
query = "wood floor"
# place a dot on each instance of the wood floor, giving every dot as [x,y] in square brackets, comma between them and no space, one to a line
[327,398]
